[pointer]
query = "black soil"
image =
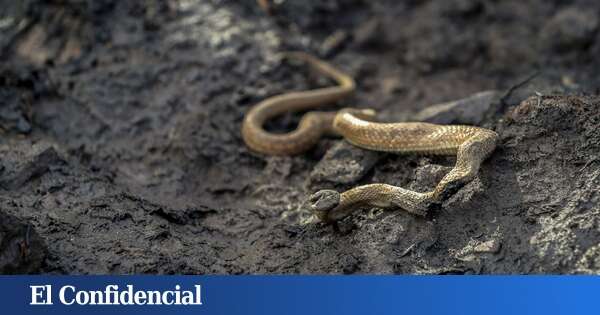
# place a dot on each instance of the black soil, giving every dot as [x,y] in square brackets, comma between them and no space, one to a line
[120,147]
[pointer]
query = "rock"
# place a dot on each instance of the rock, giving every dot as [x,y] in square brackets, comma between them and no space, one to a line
[470,251]
[15,101]
[570,28]
[589,263]
[12,113]
[465,196]
[333,42]
[393,85]
[460,8]
[349,264]
[22,170]
[22,250]
[438,52]
[342,164]
[157,116]
[491,246]
[369,34]
[470,110]
[427,176]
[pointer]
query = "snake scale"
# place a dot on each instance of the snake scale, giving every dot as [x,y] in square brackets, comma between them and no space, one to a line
[471,145]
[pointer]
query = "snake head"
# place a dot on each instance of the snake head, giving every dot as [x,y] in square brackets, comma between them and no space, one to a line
[322,202]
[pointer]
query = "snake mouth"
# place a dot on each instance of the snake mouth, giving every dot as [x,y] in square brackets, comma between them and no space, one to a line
[323,201]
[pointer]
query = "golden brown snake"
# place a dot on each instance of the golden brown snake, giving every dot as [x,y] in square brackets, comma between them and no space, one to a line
[472,145]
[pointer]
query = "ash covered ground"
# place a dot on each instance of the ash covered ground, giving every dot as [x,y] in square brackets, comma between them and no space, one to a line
[120,149]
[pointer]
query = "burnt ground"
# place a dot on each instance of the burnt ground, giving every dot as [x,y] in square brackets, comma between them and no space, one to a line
[121,150]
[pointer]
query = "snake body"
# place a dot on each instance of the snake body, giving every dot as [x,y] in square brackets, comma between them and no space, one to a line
[312,126]
[471,145]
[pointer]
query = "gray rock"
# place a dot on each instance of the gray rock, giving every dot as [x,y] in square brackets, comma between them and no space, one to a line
[22,250]
[23,169]
[349,264]
[333,42]
[342,164]
[369,34]
[460,8]
[570,28]
[470,110]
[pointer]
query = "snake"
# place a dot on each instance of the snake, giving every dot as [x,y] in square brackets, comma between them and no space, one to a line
[471,145]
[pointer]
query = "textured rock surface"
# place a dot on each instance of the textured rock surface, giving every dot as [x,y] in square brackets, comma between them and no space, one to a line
[120,143]
[470,110]
[22,250]
[342,164]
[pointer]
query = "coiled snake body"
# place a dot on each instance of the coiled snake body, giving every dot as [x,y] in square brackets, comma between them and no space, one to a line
[472,145]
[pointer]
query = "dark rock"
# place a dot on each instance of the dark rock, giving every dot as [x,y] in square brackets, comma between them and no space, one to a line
[23,170]
[342,164]
[460,8]
[121,129]
[369,34]
[470,110]
[334,42]
[22,251]
[570,29]
[445,47]
[12,114]
[349,264]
